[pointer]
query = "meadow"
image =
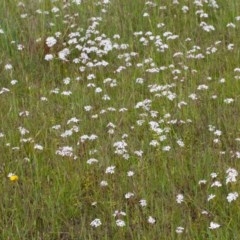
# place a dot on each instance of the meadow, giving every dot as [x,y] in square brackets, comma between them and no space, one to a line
[119,119]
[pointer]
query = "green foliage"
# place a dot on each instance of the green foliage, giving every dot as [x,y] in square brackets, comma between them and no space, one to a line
[169,91]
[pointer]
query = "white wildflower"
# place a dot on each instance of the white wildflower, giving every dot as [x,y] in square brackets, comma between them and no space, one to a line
[180,143]
[228,100]
[213,175]
[151,220]
[204,212]
[120,223]
[232,196]
[214,225]
[38,147]
[51,41]
[96,223]
[23,131]
[13,82]
[129,195]
[179,198]
[118,213]
[8,66]
[211,196]
[218,133]
[179,230]
[130,173]
[216,184]
[231,25]
[103,183]
[92,161]
[185,9]
[110,170]
[63,54]
[231,175]
[166,148]
[65,151]
[143,202]
[48,57]
[230,46]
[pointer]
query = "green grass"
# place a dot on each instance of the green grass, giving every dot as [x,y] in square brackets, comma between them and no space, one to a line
[57,197]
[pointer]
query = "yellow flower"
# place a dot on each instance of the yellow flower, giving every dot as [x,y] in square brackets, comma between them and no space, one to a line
[13,177]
